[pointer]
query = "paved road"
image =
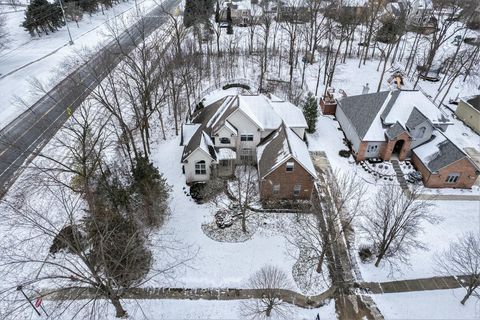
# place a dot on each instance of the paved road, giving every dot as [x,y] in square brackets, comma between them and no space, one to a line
[21,140]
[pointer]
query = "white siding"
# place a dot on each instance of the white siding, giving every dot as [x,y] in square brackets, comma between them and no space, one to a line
[196,156]
[245,126]
[415,133]
[225,133]
[348,129]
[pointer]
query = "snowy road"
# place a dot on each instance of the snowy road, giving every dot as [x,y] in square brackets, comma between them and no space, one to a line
[26,135]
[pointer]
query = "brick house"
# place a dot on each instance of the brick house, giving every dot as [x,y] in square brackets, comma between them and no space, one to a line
[404,124]
[234,129]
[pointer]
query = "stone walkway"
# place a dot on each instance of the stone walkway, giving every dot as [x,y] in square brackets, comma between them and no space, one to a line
[433,283]
[289,296]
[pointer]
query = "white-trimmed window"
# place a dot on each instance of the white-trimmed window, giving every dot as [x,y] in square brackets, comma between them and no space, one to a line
[224,140]
[200,167]
[452,178]
[276,189]
[246,137]
[289,166]
[296,189]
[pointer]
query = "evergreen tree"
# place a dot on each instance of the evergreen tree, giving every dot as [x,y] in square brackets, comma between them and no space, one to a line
[42,16]
[197,11]
[310,111]
[89,6]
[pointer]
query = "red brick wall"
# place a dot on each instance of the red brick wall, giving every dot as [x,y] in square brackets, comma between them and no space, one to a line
[464,167]
[287,181]
[386,153]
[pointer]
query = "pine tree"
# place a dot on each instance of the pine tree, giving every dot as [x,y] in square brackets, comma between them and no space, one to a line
[310,111]
[42,16]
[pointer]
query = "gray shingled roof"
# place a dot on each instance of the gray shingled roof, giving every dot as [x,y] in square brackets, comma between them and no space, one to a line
[475,102]
[449,153]
[416,118]
[395,130]
[361,110]
[390,105]
[202,118]
[272,150]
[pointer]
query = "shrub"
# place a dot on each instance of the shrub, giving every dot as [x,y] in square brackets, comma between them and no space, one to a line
[344,153]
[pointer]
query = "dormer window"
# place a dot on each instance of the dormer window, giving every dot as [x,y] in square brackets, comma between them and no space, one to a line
[289,166]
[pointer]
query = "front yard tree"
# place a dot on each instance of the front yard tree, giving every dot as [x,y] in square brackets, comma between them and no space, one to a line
[310,111]
[463,259]
[244,189]
[395,221]
[3,31]
[270,280]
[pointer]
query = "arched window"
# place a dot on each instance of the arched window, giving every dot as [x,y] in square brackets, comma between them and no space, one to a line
[421,132]
[200,167]
[224,140]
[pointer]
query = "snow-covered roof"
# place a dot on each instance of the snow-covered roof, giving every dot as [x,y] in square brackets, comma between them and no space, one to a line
[291,115]
[226,154]
[372,114]
[259,109]
[188,130]
[404,105]
[282,145]
[439,152]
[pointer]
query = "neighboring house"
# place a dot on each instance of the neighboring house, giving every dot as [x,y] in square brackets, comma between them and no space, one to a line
[228,131]
[418,13]
[404,124]
[468,110]
[444,165]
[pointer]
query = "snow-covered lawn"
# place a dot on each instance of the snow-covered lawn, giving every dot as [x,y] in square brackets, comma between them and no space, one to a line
[23,49]
[458,217]
[217,264]
[438,304]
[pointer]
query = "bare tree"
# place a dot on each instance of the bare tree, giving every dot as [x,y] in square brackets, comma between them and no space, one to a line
[270,280]
[462,259]
[395,221]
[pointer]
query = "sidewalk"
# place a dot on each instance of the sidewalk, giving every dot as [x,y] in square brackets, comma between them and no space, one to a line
[433,283]
[289,296]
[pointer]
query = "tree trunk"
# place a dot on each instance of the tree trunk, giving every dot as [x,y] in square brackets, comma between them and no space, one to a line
[268,312]
[119,311]
[379,258]
[469,293]
[320,261]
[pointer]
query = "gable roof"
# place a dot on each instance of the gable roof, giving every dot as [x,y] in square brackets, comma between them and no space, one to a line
[278,147]
[372,114]
[260,110]
[415,118]
[439,152]
[200,138]
[395,130]
[474,101]
[361,110]
[291,115]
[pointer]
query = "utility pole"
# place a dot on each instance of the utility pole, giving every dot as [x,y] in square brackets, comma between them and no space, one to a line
[65,19]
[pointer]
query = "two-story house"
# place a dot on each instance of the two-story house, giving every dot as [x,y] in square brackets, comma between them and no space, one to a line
[231,130]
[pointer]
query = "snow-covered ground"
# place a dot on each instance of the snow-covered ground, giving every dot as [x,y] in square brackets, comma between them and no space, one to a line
[438,304]
[50,51]
[458,217]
